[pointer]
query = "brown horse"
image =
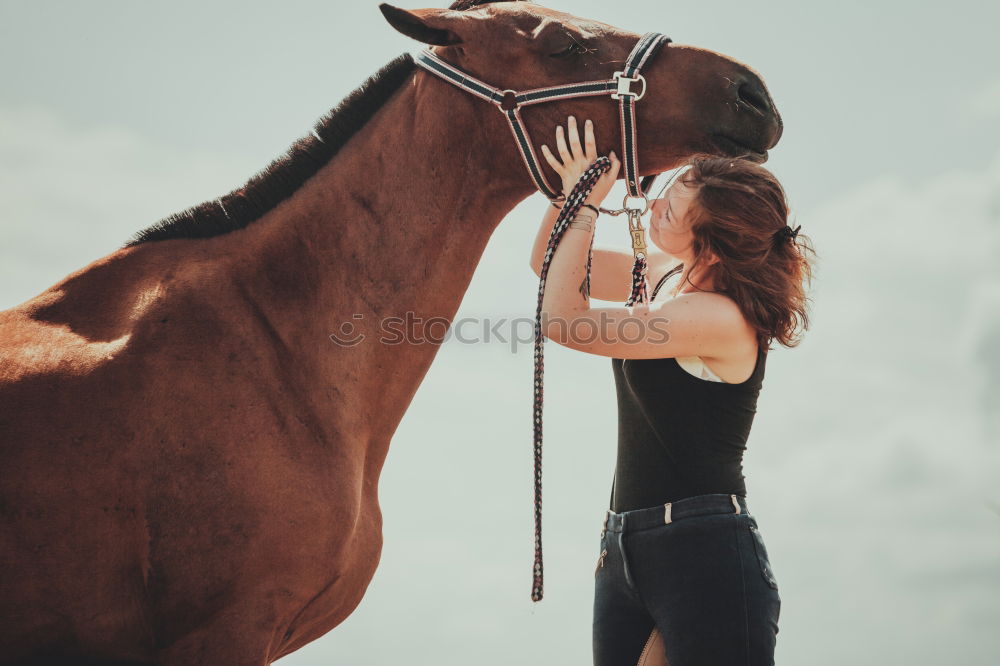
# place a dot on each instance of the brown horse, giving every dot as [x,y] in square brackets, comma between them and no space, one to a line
[189,463]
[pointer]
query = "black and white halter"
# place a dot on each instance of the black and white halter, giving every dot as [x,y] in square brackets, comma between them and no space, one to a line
[619,87]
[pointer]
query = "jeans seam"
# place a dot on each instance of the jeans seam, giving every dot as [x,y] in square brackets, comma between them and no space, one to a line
[737,532]
[763,562]
[628,574]
[632,586]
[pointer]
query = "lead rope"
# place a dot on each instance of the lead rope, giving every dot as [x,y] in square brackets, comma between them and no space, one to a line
[574,201]
[640,288]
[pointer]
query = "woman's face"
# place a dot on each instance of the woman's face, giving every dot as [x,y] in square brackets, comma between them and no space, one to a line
[668,226]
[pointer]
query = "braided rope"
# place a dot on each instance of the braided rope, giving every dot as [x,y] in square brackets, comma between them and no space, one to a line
[574,201]
[640,287]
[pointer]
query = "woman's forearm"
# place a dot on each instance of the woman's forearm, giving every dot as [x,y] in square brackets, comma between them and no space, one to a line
[566,289]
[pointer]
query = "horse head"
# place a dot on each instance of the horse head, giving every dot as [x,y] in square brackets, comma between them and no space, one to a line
[695,100]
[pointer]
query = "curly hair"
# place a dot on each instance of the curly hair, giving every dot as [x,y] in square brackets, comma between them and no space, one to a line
[740,213]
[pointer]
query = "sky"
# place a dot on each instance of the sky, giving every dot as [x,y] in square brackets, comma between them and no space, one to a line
[873,460]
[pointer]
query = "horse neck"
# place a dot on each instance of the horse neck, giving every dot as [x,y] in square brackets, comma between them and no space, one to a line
[395,223]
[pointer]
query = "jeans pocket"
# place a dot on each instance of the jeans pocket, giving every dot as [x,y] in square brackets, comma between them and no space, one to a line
[762,559]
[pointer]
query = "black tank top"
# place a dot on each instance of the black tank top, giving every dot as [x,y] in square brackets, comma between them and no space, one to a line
[679,435]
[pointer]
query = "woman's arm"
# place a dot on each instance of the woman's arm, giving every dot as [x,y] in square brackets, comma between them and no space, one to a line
[566,291]
[698,324]
[610,270]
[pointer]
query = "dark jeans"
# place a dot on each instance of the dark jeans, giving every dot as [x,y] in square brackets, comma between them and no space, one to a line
[696,570]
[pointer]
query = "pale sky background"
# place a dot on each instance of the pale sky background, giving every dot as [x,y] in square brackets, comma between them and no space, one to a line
[873,463]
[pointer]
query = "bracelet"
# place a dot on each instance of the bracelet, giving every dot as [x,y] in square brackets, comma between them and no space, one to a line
[587,205]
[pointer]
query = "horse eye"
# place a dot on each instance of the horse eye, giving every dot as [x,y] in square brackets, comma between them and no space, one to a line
[573,49]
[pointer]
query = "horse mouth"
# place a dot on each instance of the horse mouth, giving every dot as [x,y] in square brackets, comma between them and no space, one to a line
[733,148]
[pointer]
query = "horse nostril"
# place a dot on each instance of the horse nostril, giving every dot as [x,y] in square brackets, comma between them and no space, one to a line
[754,96]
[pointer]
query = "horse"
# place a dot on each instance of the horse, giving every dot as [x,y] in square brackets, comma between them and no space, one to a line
[192,428]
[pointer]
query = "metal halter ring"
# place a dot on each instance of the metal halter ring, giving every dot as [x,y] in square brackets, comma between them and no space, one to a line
[625,209]
[644,197]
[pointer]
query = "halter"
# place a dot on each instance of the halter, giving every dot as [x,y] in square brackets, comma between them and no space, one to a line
[619,87]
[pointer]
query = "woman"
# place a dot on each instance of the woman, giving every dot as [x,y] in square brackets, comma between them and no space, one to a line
[683,573]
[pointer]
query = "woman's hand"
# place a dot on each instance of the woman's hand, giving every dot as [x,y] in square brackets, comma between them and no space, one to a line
[577,158]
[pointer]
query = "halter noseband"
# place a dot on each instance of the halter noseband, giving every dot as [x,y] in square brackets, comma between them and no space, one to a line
[619,87]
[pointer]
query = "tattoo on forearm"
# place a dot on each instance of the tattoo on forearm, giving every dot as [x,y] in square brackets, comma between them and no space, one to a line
[585,288]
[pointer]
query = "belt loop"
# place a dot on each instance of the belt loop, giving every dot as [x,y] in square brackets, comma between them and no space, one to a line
[607,515]
[666,513]
[736,503]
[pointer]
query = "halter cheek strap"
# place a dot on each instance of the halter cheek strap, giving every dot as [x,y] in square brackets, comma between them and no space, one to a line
[643,51]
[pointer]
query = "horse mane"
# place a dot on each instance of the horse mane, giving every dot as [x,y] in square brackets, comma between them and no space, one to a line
[283,176]
[462,5]
[287,173]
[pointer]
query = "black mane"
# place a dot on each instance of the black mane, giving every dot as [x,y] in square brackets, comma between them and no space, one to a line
[462,5]
[283,176]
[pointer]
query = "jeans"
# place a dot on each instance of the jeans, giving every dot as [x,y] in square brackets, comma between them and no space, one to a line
[697,571]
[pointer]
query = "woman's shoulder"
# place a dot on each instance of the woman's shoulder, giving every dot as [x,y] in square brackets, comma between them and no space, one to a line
[726,309]
[736,359]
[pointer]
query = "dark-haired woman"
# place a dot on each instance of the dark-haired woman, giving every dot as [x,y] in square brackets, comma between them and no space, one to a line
[683,574]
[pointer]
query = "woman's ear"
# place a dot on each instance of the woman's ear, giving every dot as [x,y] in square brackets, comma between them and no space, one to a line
[438,27]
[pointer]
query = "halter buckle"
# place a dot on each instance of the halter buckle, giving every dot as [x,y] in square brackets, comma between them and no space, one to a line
[625,86]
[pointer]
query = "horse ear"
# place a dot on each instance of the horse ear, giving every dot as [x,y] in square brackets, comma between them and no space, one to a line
[430,26]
